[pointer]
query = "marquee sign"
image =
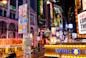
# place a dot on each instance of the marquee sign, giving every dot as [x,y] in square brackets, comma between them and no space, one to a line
[82,22]
[68,51]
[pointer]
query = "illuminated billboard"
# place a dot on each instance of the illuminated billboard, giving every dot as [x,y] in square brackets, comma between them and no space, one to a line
[22,22]
[84,4]
[82,22]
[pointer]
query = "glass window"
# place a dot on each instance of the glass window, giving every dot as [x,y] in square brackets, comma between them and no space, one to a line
[10,15]
[0,12]
[13,16]
[4,13]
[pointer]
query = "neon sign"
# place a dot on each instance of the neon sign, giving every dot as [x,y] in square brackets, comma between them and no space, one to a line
[76,51]
[67,51]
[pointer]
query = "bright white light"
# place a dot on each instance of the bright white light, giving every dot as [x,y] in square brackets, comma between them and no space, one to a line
[4,1]
[31,36]
[66,25]
[53,30]
[48,2]
[74,35]
[70,26]
[53,40]
[54,0]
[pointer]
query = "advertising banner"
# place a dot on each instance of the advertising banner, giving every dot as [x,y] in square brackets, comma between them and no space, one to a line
[22,22]
[84,4]
[82,22]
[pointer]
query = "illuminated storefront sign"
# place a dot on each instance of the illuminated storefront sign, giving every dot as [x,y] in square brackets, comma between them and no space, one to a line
[68,51]
[82,22]
[76,51]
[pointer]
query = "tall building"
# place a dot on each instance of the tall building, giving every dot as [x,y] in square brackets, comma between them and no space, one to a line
[9,36]
[9,17]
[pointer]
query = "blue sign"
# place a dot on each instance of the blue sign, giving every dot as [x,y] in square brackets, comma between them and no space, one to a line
[75,51]
[23,23]
[23,20]
[67,51]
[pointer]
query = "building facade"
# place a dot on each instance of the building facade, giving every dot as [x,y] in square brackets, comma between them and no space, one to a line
[9,18]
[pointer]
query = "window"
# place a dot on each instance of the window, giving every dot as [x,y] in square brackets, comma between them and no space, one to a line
[13,3]
[13,16]
[20,2]
[4,13]
[0,12]
[10,15]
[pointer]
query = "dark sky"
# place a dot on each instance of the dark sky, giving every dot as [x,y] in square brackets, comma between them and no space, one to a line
[33,3]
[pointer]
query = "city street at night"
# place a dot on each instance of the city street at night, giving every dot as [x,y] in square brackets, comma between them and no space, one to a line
[42,29]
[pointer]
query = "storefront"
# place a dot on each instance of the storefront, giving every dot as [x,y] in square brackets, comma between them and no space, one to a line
[80,18]
[11,45]
[66,50]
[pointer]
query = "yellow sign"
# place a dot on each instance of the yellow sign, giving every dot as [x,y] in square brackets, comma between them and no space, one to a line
[65,51]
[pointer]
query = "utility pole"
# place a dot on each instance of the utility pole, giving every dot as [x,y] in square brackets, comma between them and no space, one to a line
[27,41]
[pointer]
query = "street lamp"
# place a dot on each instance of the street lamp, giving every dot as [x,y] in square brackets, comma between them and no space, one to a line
[4,1]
